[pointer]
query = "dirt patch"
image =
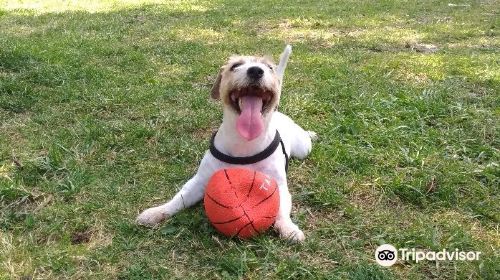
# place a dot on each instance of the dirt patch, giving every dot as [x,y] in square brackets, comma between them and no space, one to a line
[421,48]
[79,237]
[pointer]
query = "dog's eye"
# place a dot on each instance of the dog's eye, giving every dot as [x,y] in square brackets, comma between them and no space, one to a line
[270,66]
[237,64]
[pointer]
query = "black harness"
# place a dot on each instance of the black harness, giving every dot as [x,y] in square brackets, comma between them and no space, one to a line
[251,159]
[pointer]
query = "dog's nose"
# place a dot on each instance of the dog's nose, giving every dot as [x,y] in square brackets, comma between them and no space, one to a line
[255,72]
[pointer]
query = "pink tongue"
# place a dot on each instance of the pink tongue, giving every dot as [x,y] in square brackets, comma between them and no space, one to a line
[250,123]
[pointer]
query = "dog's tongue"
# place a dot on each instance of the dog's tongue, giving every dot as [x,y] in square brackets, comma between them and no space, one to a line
[250,123]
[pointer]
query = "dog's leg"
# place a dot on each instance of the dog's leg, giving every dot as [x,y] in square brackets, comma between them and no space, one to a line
[284,225]
[302,142]
[191,192]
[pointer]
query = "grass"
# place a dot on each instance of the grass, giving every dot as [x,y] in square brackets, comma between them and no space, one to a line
[104,111]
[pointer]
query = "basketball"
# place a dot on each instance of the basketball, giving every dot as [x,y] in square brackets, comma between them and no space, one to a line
[241,202]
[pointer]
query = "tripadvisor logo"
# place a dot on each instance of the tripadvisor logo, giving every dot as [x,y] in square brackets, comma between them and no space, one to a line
[387,255]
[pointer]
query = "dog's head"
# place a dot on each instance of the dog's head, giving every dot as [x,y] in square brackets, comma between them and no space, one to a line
[249,88]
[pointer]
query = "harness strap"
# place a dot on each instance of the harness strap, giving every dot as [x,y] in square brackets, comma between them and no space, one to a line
[287,159]
[269,150]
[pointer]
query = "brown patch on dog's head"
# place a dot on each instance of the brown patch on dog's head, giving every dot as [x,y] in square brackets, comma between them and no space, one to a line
[216,87]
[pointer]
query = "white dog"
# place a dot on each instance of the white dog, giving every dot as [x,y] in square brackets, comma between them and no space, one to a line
[252,134]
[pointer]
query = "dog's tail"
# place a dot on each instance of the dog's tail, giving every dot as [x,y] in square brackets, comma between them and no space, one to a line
[283,61]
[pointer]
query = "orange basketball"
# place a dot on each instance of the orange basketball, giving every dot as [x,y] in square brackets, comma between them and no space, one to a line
[241,202]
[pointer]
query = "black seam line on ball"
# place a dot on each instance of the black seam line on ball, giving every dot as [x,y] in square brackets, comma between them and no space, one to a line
[238,233]
[265,198]
[251,223]
[232,220]
[220,204]
[251,186]
[231,184]
[236,194]
[269,217]
[250,220]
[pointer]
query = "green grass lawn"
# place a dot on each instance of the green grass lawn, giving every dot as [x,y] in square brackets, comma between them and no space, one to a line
[105,111]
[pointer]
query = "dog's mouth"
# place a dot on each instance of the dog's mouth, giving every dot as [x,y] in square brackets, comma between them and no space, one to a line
[251,103]
[239,95]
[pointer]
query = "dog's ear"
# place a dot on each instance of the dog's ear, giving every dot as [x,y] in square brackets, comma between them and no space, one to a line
[283,61]
[216,86]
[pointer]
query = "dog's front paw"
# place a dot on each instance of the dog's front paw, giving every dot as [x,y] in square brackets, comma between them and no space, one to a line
[290,231]
[313,135]
[152,216]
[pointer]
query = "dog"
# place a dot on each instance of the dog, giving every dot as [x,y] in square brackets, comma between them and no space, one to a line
[249,89]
